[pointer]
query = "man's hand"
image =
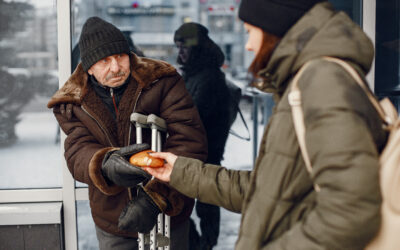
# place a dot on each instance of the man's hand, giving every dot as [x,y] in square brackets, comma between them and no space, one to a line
[66,110]
[140,215]
[118,170]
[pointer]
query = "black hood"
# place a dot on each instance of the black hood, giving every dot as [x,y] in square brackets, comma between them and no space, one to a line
[204,52]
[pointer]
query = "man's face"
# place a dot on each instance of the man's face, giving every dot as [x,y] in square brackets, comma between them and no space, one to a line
[111,71]
[184,52]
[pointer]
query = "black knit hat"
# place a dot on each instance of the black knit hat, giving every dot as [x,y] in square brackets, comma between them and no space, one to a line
[100,39]
[274,16]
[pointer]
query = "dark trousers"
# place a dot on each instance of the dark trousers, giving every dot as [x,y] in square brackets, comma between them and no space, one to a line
[107,241]
[209,225]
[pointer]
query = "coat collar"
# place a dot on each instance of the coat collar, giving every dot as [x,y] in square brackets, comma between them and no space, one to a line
[143,70]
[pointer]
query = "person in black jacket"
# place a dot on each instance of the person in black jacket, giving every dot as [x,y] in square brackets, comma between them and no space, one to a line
[201,60]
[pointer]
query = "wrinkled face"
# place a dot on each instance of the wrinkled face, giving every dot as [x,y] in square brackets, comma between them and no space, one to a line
[111,71]
[255,39]
[184,52]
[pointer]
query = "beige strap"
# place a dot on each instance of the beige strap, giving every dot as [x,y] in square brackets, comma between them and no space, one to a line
[294,98]
[298,119]
[360,82]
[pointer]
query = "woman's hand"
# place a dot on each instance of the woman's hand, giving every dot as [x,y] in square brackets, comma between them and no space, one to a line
[163,173]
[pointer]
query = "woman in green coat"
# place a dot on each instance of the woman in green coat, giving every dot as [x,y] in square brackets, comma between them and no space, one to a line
[344,136]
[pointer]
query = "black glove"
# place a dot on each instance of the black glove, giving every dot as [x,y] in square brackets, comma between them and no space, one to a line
[140,215]
[118,170]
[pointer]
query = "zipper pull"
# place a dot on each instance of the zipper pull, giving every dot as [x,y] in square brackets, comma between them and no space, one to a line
[113,99]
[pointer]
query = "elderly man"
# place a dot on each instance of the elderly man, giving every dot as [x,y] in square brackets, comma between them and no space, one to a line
[93,108]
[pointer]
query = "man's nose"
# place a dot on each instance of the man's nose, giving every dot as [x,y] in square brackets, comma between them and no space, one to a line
[114,66]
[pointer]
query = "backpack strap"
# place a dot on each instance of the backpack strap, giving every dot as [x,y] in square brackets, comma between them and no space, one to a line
[232,132]
[298,118]
[386,112]
[380,107]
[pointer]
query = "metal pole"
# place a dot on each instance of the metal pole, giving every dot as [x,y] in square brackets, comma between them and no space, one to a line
[255,126]
[140,121]
[158,125]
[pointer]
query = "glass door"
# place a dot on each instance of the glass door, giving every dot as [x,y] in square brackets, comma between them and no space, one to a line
[352,8]
[387,76]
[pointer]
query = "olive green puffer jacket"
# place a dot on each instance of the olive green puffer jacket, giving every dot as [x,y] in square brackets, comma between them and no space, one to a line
[280,209]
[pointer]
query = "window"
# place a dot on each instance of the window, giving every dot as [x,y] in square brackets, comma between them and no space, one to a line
[387,76]
[86,229]
[30,151]
[352,8]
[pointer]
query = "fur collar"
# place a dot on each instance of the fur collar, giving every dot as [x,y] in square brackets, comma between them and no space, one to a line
[143,70]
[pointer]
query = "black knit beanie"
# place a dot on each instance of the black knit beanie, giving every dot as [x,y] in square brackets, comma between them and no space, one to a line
[274,16]
[100,39]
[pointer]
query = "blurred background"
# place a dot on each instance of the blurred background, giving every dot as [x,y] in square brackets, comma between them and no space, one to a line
[32,168]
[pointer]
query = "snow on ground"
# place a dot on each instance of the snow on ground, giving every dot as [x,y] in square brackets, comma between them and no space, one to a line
[35,161]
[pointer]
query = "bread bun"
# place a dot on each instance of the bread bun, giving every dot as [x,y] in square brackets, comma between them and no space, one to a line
[143,159]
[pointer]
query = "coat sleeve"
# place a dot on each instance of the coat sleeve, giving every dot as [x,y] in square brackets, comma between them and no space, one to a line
[83,153]
[210,183]
[345,164]
[186,133]
[186,137]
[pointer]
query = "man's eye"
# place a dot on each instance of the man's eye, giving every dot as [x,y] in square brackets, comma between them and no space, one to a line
[104,60]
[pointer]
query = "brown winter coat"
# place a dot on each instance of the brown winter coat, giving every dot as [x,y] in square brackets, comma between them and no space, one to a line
[155,88]
[280,209]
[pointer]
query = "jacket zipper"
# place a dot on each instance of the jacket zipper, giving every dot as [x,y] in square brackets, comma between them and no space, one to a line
[104,131]
[129,133]
[134,108]
[113,99]
[129,138]
[98,124]
[109,141]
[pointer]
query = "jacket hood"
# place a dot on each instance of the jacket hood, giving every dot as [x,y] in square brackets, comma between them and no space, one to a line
[144,70]
[204,51]
[320,32]
[206,54]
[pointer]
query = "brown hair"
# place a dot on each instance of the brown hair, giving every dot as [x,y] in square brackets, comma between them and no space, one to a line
[268,45]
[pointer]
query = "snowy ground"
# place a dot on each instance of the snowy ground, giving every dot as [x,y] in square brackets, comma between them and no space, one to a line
[35,162]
